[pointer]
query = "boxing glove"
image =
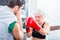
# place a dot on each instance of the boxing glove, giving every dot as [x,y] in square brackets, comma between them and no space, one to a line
[27,29]
[32,23]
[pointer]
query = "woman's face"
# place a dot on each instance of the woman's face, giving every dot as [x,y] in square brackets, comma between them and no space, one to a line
[39,18]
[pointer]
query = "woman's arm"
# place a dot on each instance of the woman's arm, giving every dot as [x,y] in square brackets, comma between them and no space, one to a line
[29,32]
[46,29]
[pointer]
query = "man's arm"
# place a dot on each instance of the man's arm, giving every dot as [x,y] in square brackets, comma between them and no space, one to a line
[18,30]
[19,19]
[18,34]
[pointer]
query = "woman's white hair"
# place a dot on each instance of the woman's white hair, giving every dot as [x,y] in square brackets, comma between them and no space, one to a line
[39,12]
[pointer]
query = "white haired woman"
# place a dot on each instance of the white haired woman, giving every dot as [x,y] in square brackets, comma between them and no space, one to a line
[39,16]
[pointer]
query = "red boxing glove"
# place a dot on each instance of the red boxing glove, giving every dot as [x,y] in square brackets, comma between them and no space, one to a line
[27,29]
[33,24]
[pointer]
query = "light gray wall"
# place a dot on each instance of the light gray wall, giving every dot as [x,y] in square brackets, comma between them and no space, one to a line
[52,10]
[32,6]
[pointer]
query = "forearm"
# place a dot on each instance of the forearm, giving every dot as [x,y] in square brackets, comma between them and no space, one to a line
[20,23]
[29,34]
[21,35]
[21,29]
[43,32]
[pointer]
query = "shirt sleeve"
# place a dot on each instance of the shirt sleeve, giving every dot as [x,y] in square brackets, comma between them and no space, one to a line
[12,22]
[11,26]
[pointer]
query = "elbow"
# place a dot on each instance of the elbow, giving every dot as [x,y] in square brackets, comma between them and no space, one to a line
[29,34]
[43,32]
[17,38]
[21,36]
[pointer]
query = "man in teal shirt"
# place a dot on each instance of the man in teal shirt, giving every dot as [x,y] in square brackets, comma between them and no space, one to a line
[10,28]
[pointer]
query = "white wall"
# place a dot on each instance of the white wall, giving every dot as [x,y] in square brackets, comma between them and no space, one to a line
[52,10]
[32,6]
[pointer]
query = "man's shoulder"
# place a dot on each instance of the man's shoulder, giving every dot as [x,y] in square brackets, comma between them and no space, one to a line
[3,9]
